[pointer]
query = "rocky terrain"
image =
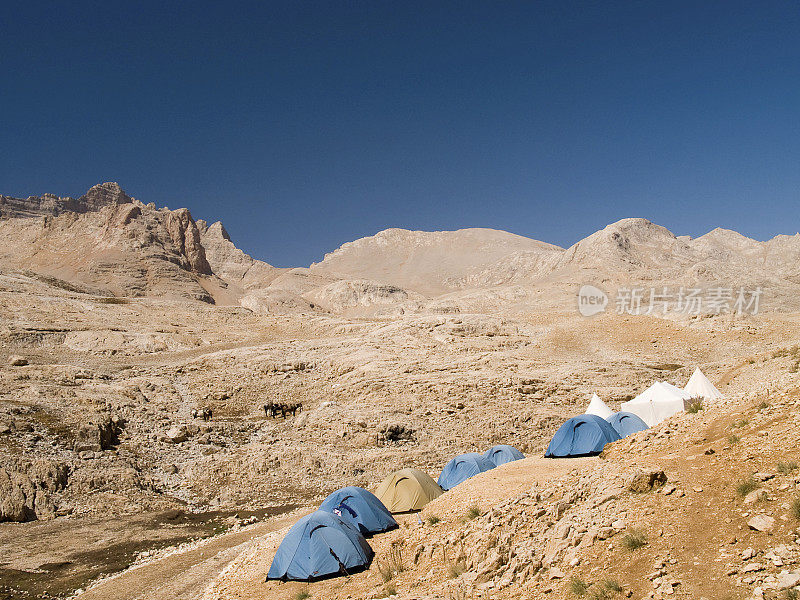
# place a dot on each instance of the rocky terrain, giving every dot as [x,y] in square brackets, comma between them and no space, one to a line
[138,348]
[705,505]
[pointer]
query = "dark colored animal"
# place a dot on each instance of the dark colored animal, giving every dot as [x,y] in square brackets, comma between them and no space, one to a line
[272,409]
[202,413]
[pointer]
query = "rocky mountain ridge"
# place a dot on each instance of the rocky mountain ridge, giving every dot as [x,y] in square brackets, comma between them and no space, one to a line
[117,245]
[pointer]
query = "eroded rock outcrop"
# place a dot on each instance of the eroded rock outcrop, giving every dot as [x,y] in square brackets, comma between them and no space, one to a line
[183,231]
[26,490]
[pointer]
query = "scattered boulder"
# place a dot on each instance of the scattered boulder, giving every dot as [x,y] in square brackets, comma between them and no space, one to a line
[645,480]
[761,523]
[100,433]
[176,434]
[17,361]
[755,496]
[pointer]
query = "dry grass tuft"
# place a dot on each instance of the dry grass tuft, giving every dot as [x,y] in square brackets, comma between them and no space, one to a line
[392,565]
[578,586]
[634,539]
[795,509]
[745,486]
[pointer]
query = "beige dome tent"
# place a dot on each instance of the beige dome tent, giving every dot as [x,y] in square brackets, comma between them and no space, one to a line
[657,403]
[700,386]
[407,489]
[598,407]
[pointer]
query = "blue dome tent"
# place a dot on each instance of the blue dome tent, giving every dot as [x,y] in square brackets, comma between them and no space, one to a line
[359,508]
[461,468]
[626,423]
[584,435]
[319,545]
[501,454]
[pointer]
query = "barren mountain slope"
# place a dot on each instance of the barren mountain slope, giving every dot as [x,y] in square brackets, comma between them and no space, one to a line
[105,240]
[428,262]
[230,263]
[117,245]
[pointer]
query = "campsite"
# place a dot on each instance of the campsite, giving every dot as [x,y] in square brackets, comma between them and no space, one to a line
[329,542]
[444,539]
[400,300]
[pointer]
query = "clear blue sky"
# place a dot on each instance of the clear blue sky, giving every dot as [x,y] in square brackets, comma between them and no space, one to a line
[302,125]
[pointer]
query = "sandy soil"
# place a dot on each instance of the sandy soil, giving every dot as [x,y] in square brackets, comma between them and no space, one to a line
[184,573]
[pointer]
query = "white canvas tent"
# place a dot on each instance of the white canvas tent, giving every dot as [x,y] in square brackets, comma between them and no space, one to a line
[700,386]
[598,407]
[658,402]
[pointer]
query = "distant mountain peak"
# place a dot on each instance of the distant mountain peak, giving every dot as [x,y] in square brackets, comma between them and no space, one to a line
[104,194]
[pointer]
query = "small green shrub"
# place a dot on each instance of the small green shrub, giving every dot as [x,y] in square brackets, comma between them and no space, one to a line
[792,594]
[634,539]
[112,300]
[786,467]
[764,405]
[734,439]
[301,595]
[433,520]
[795,510]
[745,486]
[739,424]
[612,585]
[578,586]
[473,512]
[694,405]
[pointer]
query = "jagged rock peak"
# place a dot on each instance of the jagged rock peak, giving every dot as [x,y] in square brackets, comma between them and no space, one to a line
[104,194]
[98,197]
[217,229]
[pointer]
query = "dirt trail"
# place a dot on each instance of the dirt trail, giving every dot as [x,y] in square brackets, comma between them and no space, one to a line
[184,575]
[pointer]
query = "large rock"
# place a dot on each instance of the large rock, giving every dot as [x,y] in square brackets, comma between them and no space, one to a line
[180,433]
[25,491]
[761,523]
[788,579]
[98,433]
[645,480]
[755,496]
[17,361]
